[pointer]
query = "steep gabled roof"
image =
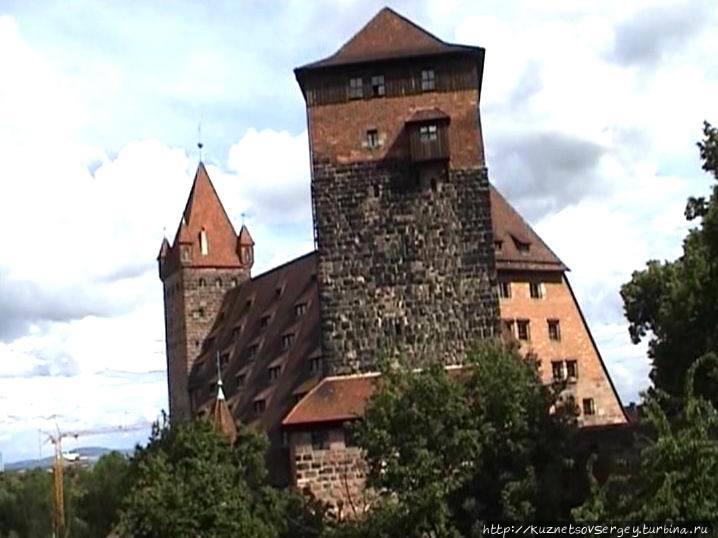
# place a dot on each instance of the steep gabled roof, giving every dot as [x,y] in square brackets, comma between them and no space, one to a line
[386,36]
[204,212]
[514,233]
[222,418]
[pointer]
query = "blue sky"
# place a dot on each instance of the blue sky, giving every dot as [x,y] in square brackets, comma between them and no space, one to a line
[590,117]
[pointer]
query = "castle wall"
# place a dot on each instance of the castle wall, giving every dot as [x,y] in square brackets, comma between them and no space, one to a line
[401,263]
[335,475]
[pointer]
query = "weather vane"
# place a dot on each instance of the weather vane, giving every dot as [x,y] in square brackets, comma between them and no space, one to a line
[200,145]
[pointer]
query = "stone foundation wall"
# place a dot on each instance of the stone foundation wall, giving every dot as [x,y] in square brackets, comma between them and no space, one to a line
[335,475]
[406,260]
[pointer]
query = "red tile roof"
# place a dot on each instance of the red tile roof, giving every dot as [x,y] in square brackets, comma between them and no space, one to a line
[428,114]
[512,230]
[389,35]
[222,418]
[204,211]
[334,399]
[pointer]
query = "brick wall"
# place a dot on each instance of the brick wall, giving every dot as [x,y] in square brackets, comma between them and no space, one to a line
[575,341]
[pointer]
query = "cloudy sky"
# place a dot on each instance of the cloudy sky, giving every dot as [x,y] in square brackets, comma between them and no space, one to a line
[590,118]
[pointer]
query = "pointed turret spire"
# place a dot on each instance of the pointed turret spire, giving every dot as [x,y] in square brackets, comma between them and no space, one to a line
[245,247]
[221,415]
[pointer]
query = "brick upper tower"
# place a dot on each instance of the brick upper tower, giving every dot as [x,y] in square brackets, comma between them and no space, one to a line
[206,258]
[400,196]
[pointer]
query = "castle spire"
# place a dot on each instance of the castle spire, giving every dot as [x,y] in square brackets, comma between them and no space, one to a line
[222,418]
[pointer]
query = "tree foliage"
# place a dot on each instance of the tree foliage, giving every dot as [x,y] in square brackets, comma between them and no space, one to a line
[675,479]
[190,482]
[677,301]
[449,449]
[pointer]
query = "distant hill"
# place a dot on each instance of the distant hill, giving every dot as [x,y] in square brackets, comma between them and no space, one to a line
[88,456]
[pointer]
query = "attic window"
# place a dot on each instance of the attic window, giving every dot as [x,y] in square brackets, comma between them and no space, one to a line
[224,359]
[428,80]
[240,379]
[274,373]
[236,331]
[356,88]
[300,309]
[315,365]
[498,245]
[212,387]
[372,138]
[521,246]
[264,321]
[287,340]
[260,406]
[252,351]
[278,291]
[203,245]
[248,304]
[428,133]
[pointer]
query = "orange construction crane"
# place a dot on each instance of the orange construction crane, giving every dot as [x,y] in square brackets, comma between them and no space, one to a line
[58,468]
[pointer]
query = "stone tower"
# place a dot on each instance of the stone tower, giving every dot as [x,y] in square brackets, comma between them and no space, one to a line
[400,196]
[206,258]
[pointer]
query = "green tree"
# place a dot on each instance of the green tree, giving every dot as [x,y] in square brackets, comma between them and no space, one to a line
[190,482]
[25,504]
[450,449]
[677,301]
[676,476]
[96,495]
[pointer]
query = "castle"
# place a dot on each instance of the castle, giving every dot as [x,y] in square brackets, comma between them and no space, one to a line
[415,250]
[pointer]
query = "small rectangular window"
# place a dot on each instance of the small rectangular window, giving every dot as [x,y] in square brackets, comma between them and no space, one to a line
[554,329]
[356,88]
[377,86]
[287,340]
[300,309]
[260,406]
[522,326]
[428,80]
[589,407]
[428,133]
[557,370]
[498,246]
[264,321]
[536,290]
[372,138]
[505,290]
[572,370]
[252,351]
[320,439]
[315,365]
[274,373]
[508,327]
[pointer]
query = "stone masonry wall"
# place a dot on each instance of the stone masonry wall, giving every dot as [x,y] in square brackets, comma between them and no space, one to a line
[335,475]
[190,311]
[406,259]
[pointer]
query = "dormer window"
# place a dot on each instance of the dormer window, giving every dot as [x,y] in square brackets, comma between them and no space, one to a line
[498,246]
[300,309]
[240,379]
[203,245]
[522,246]
[236,331]
[356,88]
[377,86]
[372,139]
[274,373]
[259,406]
[428,133]
[428,80]
[315,365]
[252,351]
[287,340]
[264,321]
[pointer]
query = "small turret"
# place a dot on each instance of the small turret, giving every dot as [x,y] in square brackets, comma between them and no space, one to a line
[162,256]
[245,248]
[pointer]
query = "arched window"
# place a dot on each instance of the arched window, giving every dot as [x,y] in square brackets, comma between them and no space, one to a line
[203,246]
[202,283]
